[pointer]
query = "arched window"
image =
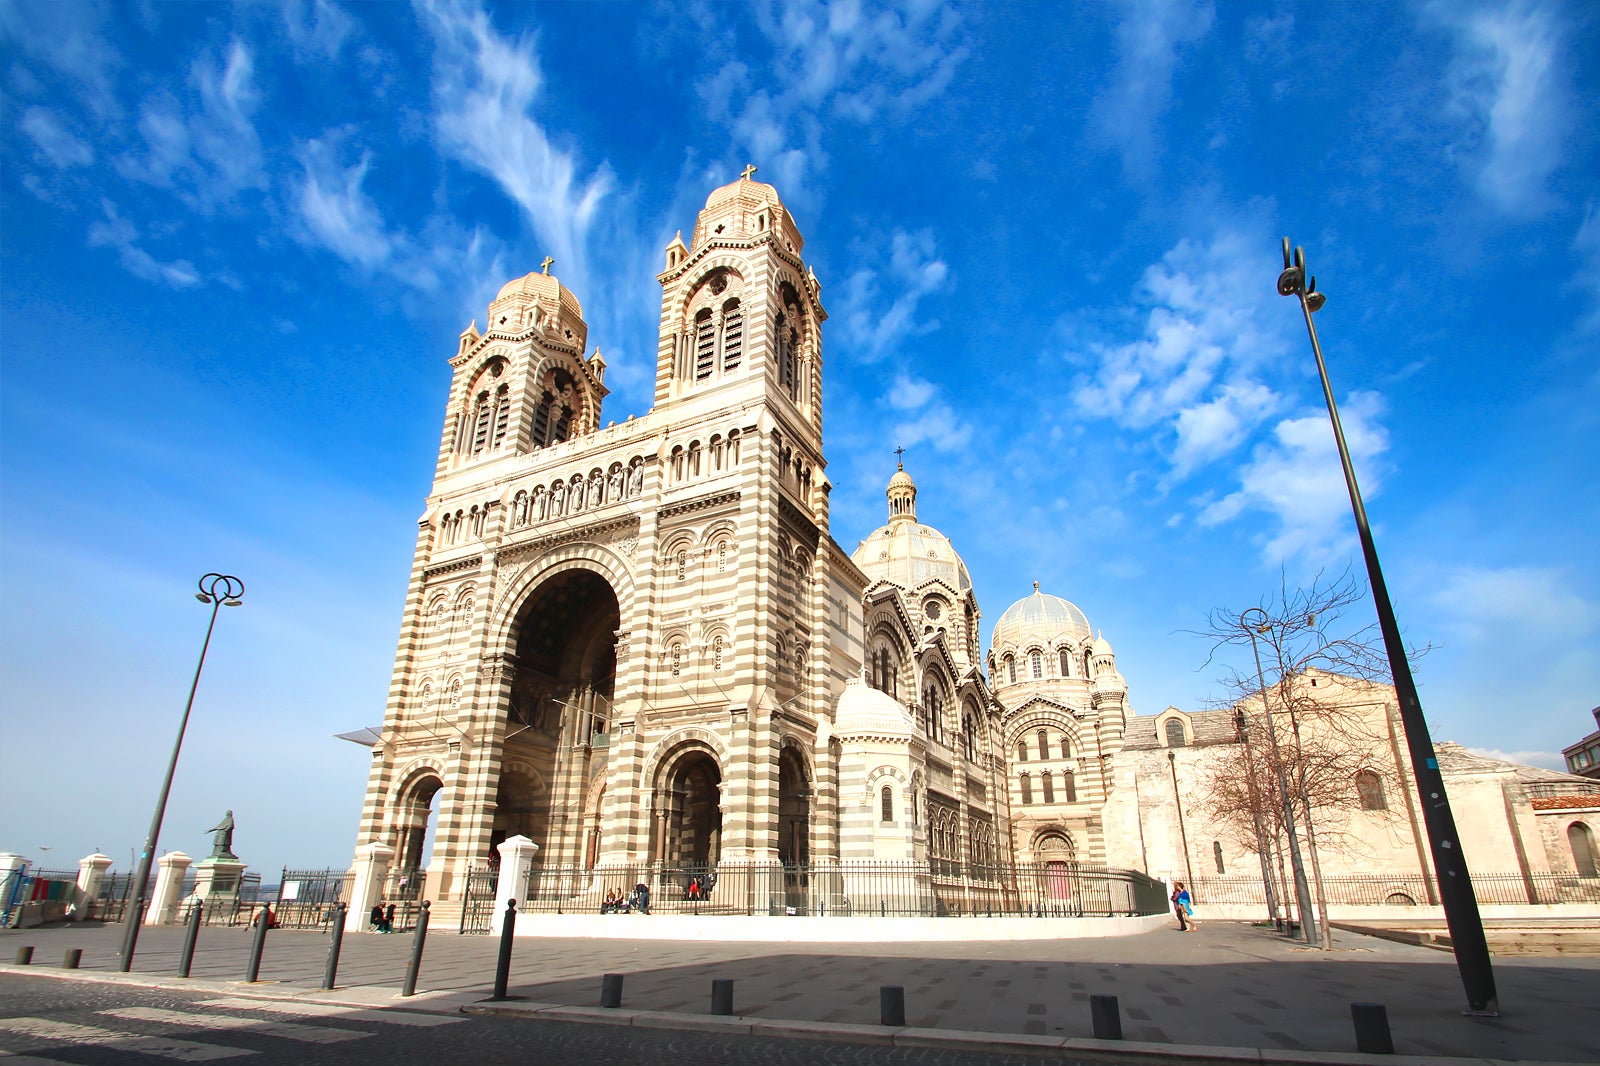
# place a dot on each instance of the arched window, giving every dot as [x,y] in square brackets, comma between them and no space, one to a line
[541,420]
[886,802]
[1216,853]
[1044,744]
[1066,663]
[563,425]
[1175,735]
[1027,789]
[1088,664]
[502,414]
[1580,838]
[480,423]
[1022,751]
[1069,785]
[732,336]
[1011,669]
[1038,664]
[1369,787]
[1066,747]
[705,345]
[1049,787]
[788,376]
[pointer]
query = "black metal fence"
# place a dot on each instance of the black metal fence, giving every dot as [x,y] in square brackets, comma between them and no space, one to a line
[306,898]
[1405,890]
[478,901]
[881,889]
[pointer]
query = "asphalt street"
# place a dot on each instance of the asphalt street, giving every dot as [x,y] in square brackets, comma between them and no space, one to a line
[54,1021]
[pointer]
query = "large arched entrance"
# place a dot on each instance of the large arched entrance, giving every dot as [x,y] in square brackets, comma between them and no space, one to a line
[563,678]
[414,816]
[688,805]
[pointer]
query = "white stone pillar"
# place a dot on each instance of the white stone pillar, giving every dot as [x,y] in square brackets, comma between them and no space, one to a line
[11,867]
[372,869]
[516,858]
[169,885]
[91,874]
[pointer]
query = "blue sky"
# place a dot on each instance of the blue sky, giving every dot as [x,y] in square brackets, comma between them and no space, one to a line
[239,242]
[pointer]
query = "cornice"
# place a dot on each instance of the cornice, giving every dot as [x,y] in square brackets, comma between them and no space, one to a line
[456,567]
[716,499]
[599,532]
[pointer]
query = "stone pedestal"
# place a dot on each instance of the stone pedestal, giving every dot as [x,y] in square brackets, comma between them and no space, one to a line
[372,870]
[218,879]
[169,886]
[516,855]
[91,875]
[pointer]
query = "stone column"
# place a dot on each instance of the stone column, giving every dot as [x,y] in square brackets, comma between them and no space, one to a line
[516,856]
[372,869]
[169,886]
[91,874]
[11,867]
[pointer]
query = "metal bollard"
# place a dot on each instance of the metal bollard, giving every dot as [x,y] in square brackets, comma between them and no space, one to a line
[1372,1028]
[330,972]
[502,966]
[611,990]
[721,996]
[892,1005]
[1106,1017]
[190,935]
[252,969]
[25,955]
[415,965]
[73,957]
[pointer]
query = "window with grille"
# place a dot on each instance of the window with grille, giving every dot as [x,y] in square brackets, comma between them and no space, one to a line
[502,414]
[563,425]
[1038,664]
[541,420]
[732,337]
[1066,660]
[705,346]
[886,802]
[1011,669]
[480,424]
[1175,734]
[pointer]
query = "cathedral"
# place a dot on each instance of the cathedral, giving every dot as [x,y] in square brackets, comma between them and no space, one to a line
[638,643]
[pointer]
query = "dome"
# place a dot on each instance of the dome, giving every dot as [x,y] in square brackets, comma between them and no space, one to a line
[901,480]
[1102,646]
[908,554]
[864,711]
[543,286]
[1041,619]
[747,191]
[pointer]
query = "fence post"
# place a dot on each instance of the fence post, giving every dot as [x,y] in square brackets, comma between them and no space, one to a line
[1106,1017]
[330,973]
[73,957]
[25,955]
[502,966]
[263,920]
[892,1005]
[611,990]
[1372,1028]
[415,965]
[190,936]
[721,996]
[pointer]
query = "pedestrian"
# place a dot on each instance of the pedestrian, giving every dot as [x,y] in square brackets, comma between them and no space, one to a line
[1177,897]
[694,889]
[376,917]
[641,894]
[1187,904]
[388,918]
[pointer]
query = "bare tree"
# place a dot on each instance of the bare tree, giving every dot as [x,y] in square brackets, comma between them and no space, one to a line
[1300,721]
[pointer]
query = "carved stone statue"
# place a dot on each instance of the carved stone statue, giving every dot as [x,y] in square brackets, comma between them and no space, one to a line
[222,842]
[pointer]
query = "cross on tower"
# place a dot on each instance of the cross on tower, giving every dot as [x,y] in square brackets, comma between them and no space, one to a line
[900,457]
[749,169]
[547,264]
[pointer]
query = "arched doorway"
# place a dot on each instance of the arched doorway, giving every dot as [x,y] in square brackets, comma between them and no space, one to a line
[414,818]
[1581,840]
[688,806]
[558,715]
[794,809]
[1054,851]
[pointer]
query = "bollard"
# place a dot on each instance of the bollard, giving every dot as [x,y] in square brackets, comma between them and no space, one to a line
[330,973]
[611,990]
[1372,1028]
[190,935]
[73,957]
[1106,1017]
[415,965]
[263,922]
[25,955]
[721,996]
[502,966]
[892,1005]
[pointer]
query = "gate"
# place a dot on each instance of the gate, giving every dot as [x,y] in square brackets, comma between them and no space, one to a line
[477,909]
[306,898]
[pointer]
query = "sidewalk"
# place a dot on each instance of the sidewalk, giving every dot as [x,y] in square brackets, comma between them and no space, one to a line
[1228,985]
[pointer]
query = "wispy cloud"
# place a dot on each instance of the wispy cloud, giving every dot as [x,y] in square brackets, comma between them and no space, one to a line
[114,231]
[1547,760]
[73,47]
[912,270]
[921,414]
[1587,275]
[55,143]
[1296,482]
[317,28]
[1149,35]
[1529,601]
[1507,91]
[337,213]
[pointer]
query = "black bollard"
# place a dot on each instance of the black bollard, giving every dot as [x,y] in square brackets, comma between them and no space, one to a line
[1106,1017]
[1372,1028]
[190,935]
[415,965]
[25,955]
[611,990]
[892,1005]
[263,921]
[502,966]
[721,996]
[330,973]
[73,957]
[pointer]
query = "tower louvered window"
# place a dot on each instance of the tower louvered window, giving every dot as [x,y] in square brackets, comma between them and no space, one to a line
[563,424]
[732,337]
[502,414]
[480,424]
[705,346]
[541,420]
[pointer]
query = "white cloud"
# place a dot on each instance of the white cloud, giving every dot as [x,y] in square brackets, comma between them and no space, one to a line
[67,39]
[1296,480]
[1549,760]
[1587,276]
[1527,602]
[913,270]
[55,143]
[117,232]
[1215,427]
[335,210]
[1507,90]
[927,417]
[1149,37]
[318,28]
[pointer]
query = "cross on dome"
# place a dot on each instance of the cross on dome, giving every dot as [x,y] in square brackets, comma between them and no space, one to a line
[749,169]
[546,265]
[900,457]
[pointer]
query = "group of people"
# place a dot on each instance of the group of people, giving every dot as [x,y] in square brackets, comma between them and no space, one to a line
[382,917]
[636,902]
[1183,907]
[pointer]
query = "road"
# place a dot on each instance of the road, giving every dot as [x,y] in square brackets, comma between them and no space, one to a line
[45,1020]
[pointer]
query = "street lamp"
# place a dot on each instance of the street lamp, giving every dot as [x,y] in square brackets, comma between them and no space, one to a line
[1243,726]
[1183,833]
[218,590]
[1450,865]
[1302,892]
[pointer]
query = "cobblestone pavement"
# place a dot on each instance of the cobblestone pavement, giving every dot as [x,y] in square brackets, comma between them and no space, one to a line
[1228,984]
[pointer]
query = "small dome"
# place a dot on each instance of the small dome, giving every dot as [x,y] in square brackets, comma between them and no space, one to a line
[864,711]
[1102,646]
[1042,619]
[543,286]
[901,480]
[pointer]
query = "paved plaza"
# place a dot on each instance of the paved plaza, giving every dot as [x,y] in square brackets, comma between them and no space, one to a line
[1226,985]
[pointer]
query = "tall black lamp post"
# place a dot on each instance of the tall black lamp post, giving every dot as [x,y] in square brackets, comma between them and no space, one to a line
[1242,724]
[219,590]
[1450,865]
